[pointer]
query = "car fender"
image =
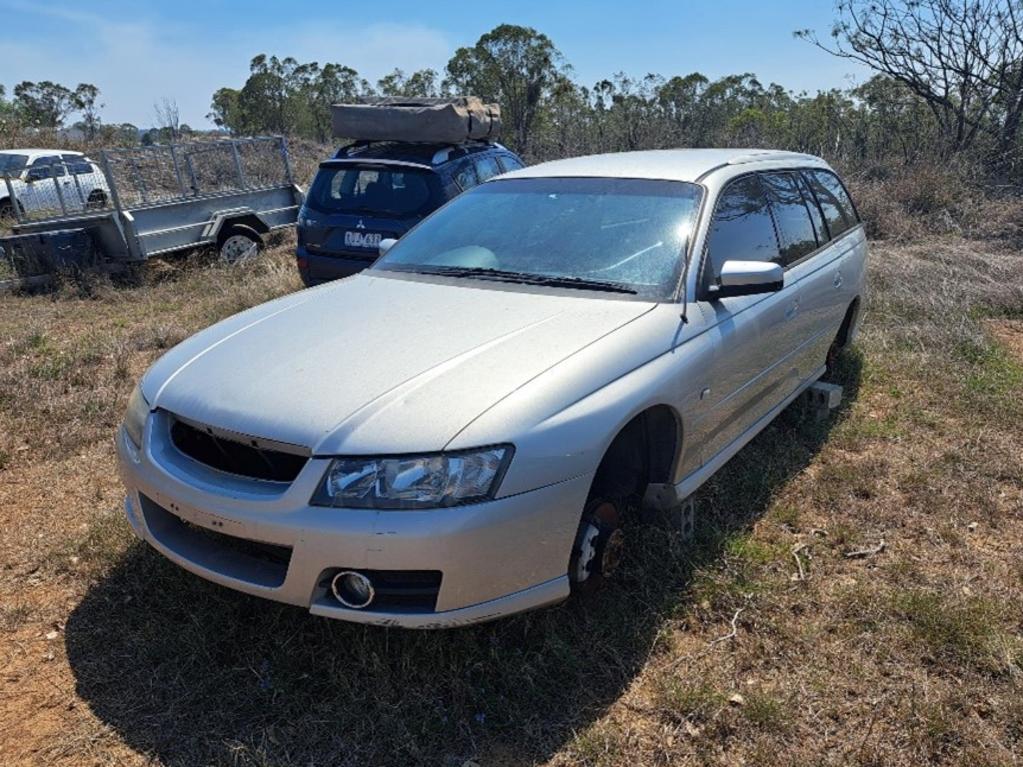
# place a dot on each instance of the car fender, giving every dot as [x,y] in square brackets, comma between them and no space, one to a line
[562,422]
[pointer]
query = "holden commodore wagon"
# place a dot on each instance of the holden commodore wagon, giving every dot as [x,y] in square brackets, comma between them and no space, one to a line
[457,433]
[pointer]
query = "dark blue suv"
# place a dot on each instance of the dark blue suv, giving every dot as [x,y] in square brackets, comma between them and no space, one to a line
[371,191]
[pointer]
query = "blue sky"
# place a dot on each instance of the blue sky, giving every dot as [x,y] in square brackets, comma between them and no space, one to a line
[141,52]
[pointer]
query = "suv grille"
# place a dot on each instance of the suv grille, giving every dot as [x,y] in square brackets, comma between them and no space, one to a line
[235,457]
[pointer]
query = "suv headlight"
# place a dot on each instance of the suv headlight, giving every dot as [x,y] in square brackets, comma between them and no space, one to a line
[414,481]
[135,417]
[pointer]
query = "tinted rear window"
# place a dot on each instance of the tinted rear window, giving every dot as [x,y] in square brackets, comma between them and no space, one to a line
[795,228]
[375,191]
[838,209]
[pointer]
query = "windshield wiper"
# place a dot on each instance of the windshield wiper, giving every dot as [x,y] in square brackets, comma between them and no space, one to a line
[527,278]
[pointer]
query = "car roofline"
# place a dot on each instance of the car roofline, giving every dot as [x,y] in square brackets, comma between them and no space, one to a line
[336,161]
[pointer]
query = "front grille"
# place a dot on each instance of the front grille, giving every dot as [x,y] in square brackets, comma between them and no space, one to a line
[264,564]
[413,591]
[235,457]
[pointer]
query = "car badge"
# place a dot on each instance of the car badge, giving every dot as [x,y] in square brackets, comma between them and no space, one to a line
[360,225]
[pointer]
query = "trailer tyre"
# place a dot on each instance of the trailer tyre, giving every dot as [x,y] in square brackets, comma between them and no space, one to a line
[6,212]
[238,243]
[97,200]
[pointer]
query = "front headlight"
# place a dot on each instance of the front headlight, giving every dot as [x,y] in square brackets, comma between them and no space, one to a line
[135,417]
[415,481]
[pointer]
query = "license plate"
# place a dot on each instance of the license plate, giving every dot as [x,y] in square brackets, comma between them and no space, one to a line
[362,240]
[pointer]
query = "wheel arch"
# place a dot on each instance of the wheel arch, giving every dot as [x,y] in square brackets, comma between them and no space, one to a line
[223,224]
[645,450]
[850,324]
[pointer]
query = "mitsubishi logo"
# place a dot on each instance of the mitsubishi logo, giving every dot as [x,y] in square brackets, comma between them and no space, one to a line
[360,225]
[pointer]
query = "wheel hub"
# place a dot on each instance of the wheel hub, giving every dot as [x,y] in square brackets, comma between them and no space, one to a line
[237,248]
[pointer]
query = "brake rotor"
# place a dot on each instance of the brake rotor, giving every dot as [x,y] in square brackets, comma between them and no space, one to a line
[601,540]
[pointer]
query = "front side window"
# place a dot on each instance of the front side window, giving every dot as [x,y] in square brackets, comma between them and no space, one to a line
[834,200]
[46,167]
[627,235]
[742,228]
[791,216]
[374,191]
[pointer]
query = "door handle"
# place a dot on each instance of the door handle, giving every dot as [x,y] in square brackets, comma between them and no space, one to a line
[837,282]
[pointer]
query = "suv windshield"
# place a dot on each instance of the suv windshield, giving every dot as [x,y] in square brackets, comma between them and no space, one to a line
[630,233]
[12,163]
[374,191]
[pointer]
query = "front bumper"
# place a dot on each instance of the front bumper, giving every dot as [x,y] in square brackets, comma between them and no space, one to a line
[496,558]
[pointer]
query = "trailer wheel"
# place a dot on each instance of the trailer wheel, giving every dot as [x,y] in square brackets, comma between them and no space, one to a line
[239,243]
[6,212]
[97,200]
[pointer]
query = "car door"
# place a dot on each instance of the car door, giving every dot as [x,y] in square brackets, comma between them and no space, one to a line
[831,275]
[806,258]
[752,338]
[41,192]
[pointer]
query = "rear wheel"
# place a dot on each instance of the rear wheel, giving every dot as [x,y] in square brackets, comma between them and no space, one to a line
[238,244]
[599,543]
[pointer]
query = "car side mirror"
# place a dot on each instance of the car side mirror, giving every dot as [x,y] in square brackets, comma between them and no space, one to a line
[385,245]
[747,278]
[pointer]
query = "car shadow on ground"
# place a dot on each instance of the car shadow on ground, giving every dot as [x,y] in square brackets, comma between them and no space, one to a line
[188,672]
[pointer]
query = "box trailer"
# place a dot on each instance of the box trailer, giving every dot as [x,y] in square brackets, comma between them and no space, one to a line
[162,199]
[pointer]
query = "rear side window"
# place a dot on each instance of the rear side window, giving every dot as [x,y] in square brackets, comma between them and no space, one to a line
[838,209]
[487,167]
[77,165]
[795,228]
[378,191]
[510,163]
[742,228]
[465,175]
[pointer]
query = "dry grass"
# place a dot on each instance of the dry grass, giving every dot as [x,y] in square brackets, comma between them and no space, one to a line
[110,655]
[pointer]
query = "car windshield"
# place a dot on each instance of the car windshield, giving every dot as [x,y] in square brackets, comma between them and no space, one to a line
[629,233]
[374,191]
[13,163]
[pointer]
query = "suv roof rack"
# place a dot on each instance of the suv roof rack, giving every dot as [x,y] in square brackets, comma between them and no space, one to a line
[441,154]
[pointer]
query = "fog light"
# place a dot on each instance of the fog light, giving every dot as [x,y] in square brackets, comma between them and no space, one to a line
[352,589]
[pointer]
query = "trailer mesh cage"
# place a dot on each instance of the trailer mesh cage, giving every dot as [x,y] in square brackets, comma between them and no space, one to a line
[161,174]
[137,177]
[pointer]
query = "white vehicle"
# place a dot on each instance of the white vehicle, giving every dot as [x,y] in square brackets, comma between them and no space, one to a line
[456,433]
[49,180]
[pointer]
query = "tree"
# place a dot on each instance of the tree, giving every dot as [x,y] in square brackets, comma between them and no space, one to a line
[333,84]
[225,110]
[959,56]
[168,118]
[45,104]
[85,98]
[420,84]
[515,66]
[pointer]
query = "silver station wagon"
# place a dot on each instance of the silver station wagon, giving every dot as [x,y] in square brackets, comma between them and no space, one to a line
[456,433]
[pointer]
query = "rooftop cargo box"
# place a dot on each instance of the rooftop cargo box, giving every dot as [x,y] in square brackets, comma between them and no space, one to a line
[434,121]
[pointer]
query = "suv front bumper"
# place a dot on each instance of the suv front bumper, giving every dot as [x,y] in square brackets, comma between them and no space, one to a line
[495,558]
